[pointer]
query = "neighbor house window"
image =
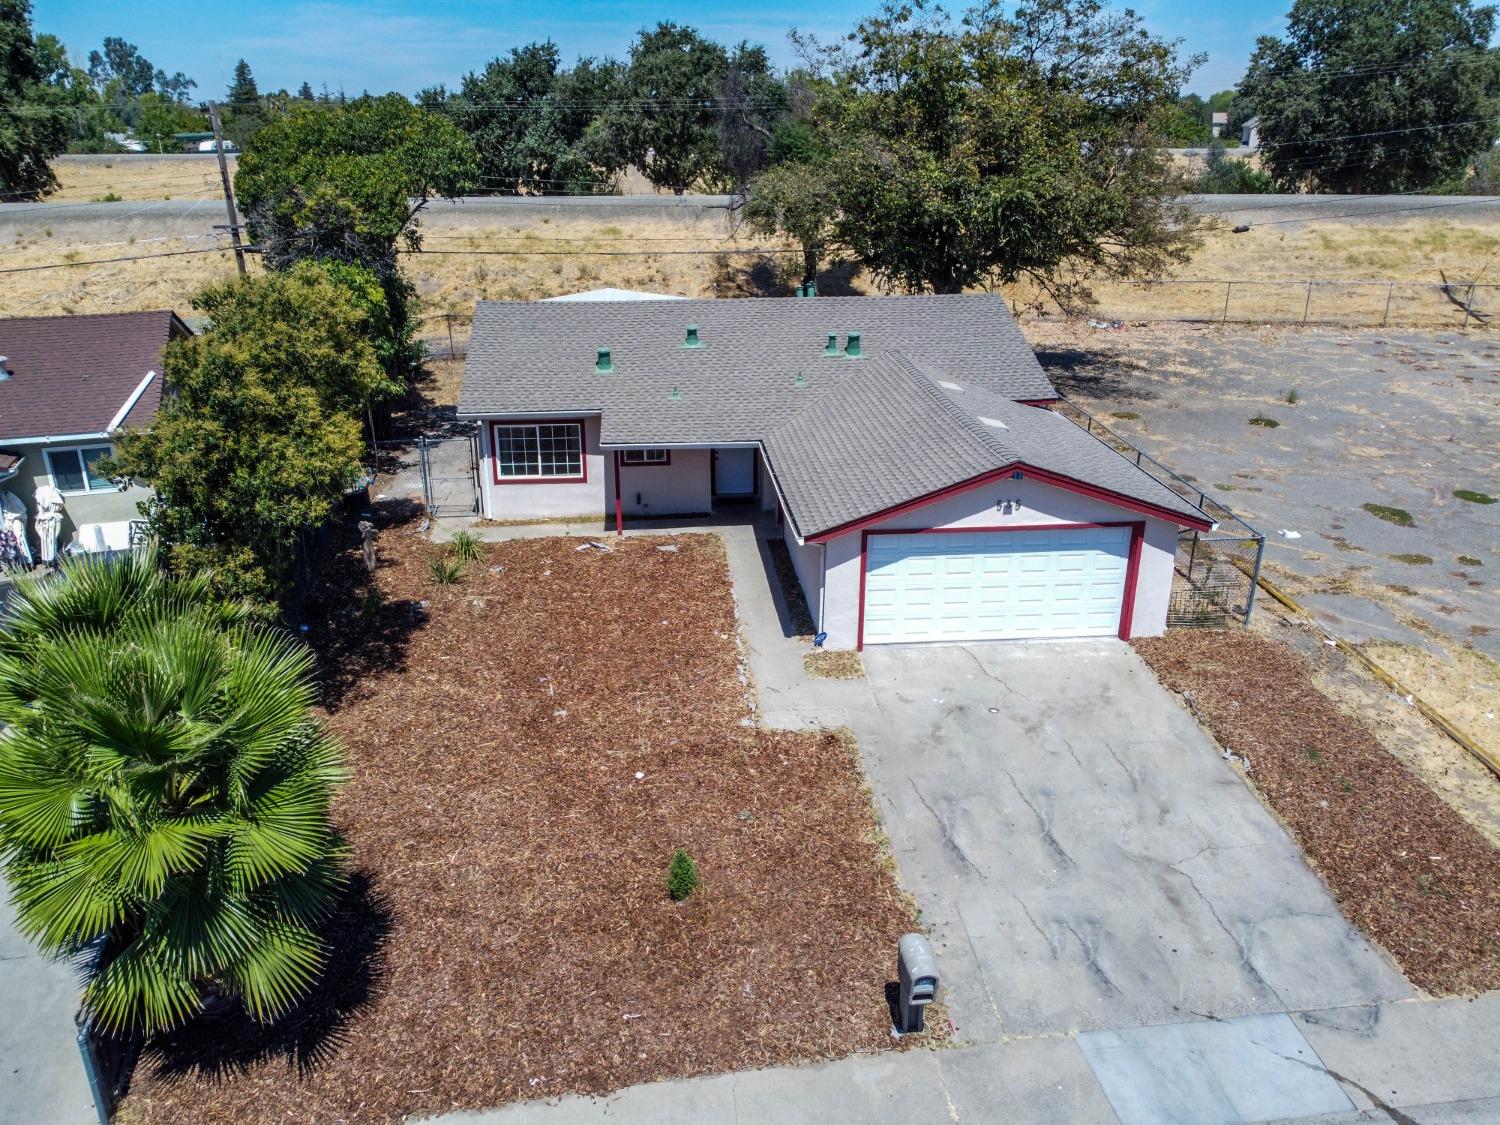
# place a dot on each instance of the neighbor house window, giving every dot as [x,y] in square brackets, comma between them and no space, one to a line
[647,457]
[72,470]
[539,451]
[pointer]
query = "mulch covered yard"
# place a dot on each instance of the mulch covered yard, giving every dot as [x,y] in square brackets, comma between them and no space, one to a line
[528,747]
[1403,865]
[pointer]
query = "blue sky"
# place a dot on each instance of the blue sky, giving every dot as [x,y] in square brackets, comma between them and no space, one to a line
[390,45]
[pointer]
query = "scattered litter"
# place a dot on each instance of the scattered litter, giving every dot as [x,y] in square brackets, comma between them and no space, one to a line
[594,545]
[1107,325]
[744,814]
[1285,534]
[994,710]
[425,525]
[669,548]
[1410,702]
[561,713]
[640,776]
[498,569]
[633,1015]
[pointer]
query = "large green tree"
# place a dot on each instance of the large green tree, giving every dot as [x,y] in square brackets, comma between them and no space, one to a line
[1376,95]
[261,435]
[346,183]
[998,147]
[164,794]
[532,120]
[34,120]
[666,121]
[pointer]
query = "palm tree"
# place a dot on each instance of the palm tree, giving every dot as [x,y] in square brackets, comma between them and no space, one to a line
[164,794]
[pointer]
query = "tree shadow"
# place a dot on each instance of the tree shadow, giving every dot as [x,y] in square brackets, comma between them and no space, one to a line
[354,631]
[739,275]
[1092,374]
[312,1032]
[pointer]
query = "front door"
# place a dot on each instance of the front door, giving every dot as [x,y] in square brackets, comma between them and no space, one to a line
[734,472]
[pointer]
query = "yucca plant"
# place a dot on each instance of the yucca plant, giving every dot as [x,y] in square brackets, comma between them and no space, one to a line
[445,571]
[164,794]
[466,547]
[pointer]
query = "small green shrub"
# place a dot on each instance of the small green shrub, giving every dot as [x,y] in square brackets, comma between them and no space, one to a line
[445,572]
[1398,516]
[466,547]
[1412,559]
[1469,560]
[371,601]
[1125,415]
[1262,420]
[1292,396]
[682,875]
[1473,497]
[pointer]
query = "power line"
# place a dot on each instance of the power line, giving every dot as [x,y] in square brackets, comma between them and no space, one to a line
[112,261]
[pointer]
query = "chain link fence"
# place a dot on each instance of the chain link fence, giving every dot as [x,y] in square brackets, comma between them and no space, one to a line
[437,475]
[1215,571]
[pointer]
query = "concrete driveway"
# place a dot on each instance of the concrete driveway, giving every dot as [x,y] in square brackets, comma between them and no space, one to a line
[1084,856]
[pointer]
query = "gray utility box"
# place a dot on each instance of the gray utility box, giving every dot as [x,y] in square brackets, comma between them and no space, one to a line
[917,981]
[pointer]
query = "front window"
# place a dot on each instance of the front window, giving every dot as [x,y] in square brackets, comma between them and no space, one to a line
[73,470]
[647,457]
[539,451]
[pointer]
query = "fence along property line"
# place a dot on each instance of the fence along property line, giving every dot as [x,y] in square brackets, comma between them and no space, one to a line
[1216,571]
[1364,302]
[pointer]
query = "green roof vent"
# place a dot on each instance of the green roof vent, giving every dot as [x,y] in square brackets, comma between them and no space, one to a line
[851,348]
[603,363]
[692,340]
[833,344]
[676,394]
[800,380]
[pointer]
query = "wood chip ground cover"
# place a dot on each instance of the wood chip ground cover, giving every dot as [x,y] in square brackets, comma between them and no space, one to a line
[1403,865]
[509,935]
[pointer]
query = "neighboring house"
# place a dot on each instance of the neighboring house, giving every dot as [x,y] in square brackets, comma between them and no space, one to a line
[926,492]
[1220,123]
[1250,133]
[68,384]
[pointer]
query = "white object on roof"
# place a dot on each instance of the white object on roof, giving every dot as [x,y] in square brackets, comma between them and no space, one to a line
[96,538]
[611,294]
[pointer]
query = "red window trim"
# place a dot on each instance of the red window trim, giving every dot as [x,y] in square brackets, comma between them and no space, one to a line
[624,453]
[1132,560]
[1067,484]
[583,449]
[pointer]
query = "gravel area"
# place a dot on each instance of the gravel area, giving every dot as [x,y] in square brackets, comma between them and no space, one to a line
[529,745]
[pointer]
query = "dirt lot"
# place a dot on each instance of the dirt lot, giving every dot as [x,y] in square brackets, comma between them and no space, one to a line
[528,747]
[1403,865]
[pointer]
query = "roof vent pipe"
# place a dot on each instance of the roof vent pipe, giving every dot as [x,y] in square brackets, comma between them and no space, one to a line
[833,344]
[692,340]
[851,348]
[603,363]
[4,370]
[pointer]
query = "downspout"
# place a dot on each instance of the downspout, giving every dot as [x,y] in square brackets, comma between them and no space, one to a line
[619,507]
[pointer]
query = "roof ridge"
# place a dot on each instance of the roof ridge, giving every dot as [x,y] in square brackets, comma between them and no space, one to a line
[969,422]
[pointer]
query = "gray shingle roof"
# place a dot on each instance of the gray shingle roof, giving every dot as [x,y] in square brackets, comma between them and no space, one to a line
[538,357]
[932,402]
[904,430]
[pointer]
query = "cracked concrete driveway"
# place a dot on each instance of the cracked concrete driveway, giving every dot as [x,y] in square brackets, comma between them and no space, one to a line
[1083,855]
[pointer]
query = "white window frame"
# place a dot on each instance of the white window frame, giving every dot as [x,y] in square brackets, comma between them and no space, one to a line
[502,477]
[661,456]
[109,451]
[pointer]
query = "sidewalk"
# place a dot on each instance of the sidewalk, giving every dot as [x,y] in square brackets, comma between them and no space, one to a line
[1413,1062]
[42,1073]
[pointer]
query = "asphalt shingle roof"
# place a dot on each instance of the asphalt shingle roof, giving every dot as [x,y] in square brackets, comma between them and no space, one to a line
[538,357]
[71,374]
[935,399]
[904,430]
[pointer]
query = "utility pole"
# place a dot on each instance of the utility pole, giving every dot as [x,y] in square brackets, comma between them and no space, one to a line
[234,222]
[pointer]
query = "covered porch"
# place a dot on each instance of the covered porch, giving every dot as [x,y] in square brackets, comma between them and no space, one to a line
[687,481]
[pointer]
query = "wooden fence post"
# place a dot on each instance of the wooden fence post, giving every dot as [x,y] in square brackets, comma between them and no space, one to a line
[1306,304]
[1228,285]
[1386,316]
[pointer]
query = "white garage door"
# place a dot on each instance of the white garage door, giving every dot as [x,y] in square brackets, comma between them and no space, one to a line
[973,586]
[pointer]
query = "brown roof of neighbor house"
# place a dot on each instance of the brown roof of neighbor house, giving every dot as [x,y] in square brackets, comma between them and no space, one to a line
[72,374]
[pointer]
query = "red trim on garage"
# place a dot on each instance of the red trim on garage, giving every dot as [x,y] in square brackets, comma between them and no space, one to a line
[1068,484]
[1132,563]
[583,450]
[1132,578]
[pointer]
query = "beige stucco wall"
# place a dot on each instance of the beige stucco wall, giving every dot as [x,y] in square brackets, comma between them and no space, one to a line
[1030,502]
[78,508]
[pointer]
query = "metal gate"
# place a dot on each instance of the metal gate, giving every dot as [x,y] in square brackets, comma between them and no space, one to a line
[441,474]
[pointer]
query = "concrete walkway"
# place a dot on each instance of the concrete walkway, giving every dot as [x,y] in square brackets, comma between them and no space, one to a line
[41,1074]
[1127,935]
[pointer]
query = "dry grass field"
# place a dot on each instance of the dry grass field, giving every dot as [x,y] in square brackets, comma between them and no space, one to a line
[474,253]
